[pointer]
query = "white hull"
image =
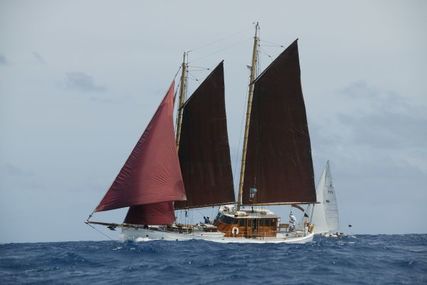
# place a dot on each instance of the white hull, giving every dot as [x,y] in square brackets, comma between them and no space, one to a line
[140,235]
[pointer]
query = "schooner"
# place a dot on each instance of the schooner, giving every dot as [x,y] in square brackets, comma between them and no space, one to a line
[191,168]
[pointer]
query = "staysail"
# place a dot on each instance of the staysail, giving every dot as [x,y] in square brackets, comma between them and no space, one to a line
[325,214]
[204,152]
[151,177]
[278,157]
[151,214]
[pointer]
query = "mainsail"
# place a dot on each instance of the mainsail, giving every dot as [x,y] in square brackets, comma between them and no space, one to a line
[278,157]
[151,177]
[204,152]
[325,214]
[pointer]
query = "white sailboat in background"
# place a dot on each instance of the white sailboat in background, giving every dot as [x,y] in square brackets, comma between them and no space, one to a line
[325,214]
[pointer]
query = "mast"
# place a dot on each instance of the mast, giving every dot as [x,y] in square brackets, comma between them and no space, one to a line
[182,96]
[248,112]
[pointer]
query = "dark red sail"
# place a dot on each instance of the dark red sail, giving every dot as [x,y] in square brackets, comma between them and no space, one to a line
[152,173]
[204,153]
[151,214]
[278,157]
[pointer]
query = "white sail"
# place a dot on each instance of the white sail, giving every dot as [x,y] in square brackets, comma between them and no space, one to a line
[325,214]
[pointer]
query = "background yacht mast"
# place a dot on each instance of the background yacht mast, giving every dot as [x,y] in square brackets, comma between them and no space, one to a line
[248,111]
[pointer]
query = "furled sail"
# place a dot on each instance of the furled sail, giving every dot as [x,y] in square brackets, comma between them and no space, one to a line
[325,214]
[204,151]
[278,157]
[152,173]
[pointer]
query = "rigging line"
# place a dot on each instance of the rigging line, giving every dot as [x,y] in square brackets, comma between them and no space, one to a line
[193,77]
[272,46]
[198,68]
[218,40]
[264,51]
[104,234]
[176,74]
[220,50]
[242,122]
[91,214]
[273,43]
[258,66]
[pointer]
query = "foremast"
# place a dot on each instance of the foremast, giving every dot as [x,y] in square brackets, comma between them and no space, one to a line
[252,78]
[182,96]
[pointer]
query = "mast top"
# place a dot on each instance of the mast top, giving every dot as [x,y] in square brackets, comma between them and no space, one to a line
[182,95]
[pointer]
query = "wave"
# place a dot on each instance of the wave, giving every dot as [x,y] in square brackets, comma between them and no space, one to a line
[364,259]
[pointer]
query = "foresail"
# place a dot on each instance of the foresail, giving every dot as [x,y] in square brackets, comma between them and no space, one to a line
[152,173]
[278,157]
[204,152]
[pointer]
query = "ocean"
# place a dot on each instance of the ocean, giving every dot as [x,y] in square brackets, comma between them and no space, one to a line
[360,259]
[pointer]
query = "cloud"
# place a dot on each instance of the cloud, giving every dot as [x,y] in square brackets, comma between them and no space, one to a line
[383,119]
[3,60]
[387,130]
[39,58]
[82,82]
[374,128]
[13,170]
[369,99]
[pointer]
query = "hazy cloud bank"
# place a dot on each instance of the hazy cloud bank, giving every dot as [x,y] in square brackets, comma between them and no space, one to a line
[373,129]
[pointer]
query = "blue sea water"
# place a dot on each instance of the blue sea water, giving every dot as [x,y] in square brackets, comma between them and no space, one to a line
[363,259]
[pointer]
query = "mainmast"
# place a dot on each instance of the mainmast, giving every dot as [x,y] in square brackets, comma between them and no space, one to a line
[182,96]
[248,111]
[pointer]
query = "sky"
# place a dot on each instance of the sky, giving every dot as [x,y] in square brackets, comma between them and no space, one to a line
[79,81]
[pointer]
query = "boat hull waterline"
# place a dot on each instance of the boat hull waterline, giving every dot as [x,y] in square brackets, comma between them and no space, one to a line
[142,235]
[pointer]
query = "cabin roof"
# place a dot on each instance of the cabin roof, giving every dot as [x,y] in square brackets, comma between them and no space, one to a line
[248,213]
